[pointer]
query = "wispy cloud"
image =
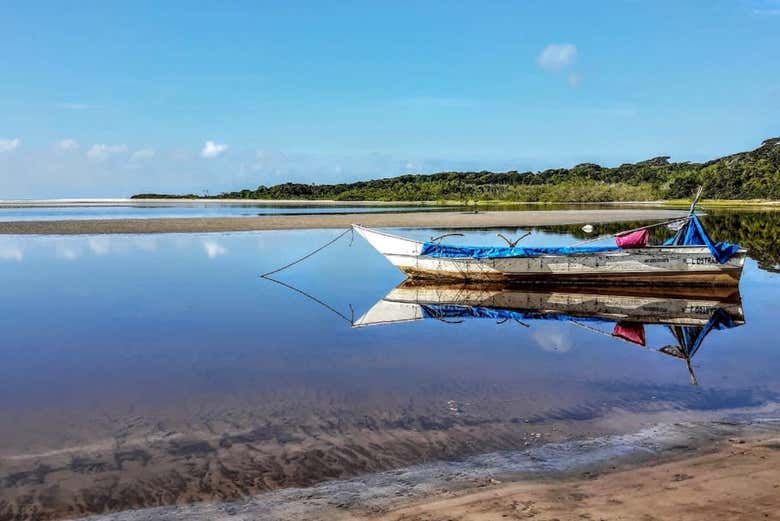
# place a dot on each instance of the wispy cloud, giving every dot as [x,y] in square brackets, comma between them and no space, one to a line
[74,106]
[100,152]
[65,145]
[214,249]
[211,149]
[7,145]
[766,12]
[552,341]
[10,251]
[67,249]
[104,245]
[143,153]
[441,102]
[99,245]
[573,79]
[557,56]
[766,8]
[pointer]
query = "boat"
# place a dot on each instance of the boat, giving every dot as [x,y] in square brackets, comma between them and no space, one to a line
[689,315]
[690,258]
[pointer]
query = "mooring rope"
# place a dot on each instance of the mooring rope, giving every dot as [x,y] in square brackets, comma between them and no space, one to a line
[267,276]
[315,299]
[342,234]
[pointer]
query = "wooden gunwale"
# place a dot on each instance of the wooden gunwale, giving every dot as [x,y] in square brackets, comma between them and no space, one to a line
[724,277]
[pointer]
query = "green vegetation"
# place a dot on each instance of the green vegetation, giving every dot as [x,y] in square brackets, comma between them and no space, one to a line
[759,232]
[747,175]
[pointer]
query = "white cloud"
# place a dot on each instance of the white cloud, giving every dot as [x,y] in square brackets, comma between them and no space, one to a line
[214,249]
[766,12]
[67,250]
[100,152]
[551,340]
[557,56]
[10,251]
[146,244]
[73,174]
[7,145]
[65,145]
[143,153]
[99,245]
[212,150]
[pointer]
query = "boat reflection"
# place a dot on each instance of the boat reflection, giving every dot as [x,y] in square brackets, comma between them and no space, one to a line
[690,314]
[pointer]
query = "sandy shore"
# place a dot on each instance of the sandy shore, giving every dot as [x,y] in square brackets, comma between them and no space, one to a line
[739,480]
[688,471]
[288,222]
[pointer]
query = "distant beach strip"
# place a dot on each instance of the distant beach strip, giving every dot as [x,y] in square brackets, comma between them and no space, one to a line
[424,219]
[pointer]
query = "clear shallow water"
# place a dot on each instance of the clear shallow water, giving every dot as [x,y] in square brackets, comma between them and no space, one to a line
[167,362]
[156,211]
[138,210]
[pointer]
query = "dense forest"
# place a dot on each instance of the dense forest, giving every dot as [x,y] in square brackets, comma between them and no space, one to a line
[747,175]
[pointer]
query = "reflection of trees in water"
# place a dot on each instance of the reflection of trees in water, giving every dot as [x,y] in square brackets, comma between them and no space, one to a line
[758,232]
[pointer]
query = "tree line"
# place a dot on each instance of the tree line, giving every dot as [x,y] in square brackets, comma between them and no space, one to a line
[747,175]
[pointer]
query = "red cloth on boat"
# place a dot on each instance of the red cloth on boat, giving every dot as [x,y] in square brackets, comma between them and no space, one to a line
[631,331]
[635,239]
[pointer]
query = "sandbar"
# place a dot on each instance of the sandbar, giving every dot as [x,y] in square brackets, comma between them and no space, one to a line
[426,219]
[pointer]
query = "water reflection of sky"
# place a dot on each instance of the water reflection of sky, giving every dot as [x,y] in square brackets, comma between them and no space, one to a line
[157,211]
[123,338]
[147,319]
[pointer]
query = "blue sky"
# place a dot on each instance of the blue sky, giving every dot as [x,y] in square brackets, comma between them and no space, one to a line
[108,99]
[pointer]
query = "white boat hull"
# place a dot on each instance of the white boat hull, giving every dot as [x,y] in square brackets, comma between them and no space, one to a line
[689,265]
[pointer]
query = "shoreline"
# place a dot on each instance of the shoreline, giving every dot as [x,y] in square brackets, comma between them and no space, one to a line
[180,201]
[733,467]
[735,479]
[427,219]
[76,203]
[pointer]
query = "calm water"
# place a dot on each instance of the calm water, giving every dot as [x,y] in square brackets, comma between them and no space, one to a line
[161,210]
[139,371]
[140,210]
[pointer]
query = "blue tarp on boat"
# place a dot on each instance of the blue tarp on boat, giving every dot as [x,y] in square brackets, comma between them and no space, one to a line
[692,337]
[452,311]
[694,234]
[434,249]
[691,234]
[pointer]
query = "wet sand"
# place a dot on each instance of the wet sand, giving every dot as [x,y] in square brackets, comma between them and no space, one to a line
[687,471]
[145,463]
[426,219]
[738,480]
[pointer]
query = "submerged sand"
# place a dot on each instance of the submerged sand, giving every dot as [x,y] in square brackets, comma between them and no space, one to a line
[685,471]
[426,219]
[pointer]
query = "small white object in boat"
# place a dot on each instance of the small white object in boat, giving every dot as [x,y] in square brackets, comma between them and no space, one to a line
[588,228]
